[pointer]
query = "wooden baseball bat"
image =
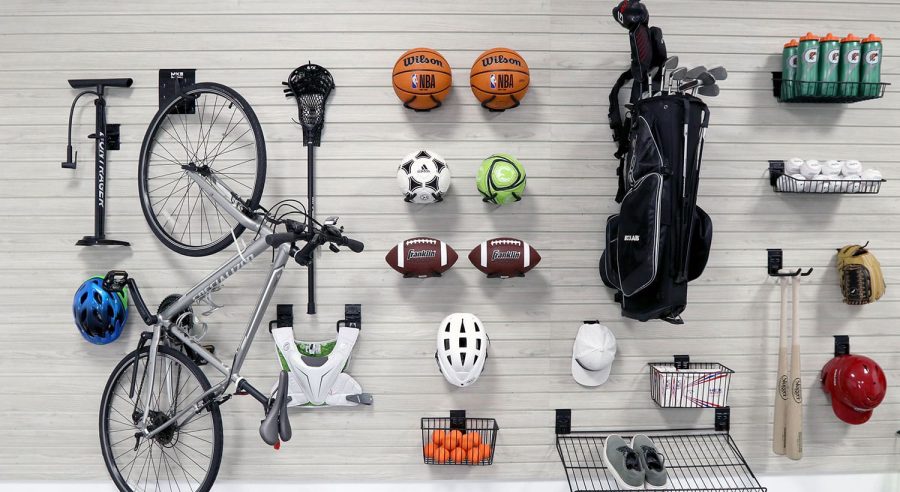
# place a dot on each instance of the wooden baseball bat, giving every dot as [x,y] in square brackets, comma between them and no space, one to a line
[779,432]
[794,420]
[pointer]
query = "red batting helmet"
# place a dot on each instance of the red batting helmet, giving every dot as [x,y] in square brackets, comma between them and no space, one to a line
[856,384]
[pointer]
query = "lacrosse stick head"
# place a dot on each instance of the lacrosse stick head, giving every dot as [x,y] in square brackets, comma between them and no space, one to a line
[310,85]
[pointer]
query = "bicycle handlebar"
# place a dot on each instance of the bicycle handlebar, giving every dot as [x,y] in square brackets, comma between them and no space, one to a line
[315,238]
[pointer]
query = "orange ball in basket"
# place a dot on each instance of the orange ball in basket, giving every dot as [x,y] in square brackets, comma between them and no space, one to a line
[422,79]
[499,79]
[430,449]
[451,440]
[486,451]
[437,437]
[474,455]
[458,455]
[441,455]
[470,440]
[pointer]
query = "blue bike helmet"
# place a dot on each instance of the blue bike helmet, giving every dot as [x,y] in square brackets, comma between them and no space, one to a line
[99,314]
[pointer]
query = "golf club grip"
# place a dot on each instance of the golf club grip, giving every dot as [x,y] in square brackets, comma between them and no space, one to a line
[794,422]
[779,432]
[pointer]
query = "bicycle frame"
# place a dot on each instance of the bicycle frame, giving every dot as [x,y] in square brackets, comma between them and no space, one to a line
[222,196]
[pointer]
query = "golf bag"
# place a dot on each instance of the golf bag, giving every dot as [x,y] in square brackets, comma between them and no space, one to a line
[660,240]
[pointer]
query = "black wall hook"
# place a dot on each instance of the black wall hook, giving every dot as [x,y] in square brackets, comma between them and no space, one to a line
[775,264]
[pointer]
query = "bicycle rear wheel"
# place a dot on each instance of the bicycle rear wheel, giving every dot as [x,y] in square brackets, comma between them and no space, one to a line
[185,456]
[222,138]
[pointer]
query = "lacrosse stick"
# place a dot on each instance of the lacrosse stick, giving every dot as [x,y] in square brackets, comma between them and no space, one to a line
[310,85]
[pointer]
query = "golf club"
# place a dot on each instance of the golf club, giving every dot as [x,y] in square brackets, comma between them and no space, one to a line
[719,72]
[675,78]
[701,80]
[708,90]
[671,64]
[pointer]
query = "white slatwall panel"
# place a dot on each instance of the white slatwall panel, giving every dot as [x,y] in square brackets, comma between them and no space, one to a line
[50,381]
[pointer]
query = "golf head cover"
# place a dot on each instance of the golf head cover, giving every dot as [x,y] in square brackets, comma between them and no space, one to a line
[862,281]
[631,14]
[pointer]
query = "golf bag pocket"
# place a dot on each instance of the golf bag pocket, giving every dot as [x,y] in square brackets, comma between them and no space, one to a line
[701,242]
[638,236]
[609,267]
[646,156]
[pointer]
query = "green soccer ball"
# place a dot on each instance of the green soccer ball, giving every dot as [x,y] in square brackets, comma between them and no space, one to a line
[501,179]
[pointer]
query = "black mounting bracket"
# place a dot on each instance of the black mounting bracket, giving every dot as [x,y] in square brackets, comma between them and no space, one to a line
[776,170]
[112,136]
[458,420]
[775,264]
[284,314]
[841,345]
[723,419]
[172,82]
[682,361]
[563,421]
[353,315]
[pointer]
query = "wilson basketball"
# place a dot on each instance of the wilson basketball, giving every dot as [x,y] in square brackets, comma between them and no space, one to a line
[422,79]
[499,79]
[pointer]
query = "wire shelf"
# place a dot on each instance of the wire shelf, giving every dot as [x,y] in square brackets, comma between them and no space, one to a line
[468,433]
[694,460]
[685,384]
[800,91]
[782,183]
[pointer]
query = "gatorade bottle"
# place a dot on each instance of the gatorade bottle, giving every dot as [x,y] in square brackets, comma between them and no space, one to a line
[808,71]
[849,69]
[829,58]
[870,71]
[789,62]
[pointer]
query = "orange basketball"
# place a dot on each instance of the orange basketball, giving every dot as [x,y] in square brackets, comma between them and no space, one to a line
[474,456]
[438,437]
[430,449]
[441,455]
[422,79]
[458,455]
[470,440]
[451,440]
[499,79]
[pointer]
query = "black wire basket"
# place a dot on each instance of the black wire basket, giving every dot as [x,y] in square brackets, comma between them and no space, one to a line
[451,441]
[782,183]
[801,91]
[686,384]
[695,459]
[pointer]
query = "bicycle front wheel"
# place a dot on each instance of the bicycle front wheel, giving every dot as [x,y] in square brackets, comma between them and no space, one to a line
[212,128]
[184,456]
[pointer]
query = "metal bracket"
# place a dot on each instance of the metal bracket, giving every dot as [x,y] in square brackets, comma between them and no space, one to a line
[682,361]
[841,345]
[723,419]
[112,136]
[563,421]
[284,315]
[353,315]
[775,263]
[776,170]
[172,82]
[458,420]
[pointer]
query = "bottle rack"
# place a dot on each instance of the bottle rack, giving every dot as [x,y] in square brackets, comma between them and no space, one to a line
[487,430]
[782,183]
[686,384]
[856,91]
[695,459]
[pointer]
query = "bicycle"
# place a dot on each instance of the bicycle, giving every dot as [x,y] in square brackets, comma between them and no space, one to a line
[160,418]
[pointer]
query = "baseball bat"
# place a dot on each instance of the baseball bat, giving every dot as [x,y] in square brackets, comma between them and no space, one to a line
[794,420]
[779,432]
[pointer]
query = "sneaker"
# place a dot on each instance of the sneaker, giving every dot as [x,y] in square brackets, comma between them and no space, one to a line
[652,461]
[623,462]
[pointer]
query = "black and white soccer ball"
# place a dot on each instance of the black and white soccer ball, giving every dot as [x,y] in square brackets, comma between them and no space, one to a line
[424,177]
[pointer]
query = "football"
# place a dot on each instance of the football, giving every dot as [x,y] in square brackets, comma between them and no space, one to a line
[421,257]
[424,177]
[504,257]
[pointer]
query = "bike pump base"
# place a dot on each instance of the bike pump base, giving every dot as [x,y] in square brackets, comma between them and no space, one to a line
[100,241]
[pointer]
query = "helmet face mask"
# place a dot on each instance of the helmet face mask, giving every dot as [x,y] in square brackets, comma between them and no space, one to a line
[462,349]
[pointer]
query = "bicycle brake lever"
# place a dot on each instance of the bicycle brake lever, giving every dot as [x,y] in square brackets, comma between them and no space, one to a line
[334,248]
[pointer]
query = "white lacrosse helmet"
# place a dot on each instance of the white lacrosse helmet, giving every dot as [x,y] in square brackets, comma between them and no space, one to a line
[462,348]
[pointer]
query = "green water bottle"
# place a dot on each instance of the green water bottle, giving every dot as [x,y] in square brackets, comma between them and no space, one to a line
[849,69]
[808,71]
[870,71]
[789,62]
[829,58]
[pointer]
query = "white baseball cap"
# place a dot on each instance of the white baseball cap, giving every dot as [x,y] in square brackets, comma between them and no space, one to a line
[593,354]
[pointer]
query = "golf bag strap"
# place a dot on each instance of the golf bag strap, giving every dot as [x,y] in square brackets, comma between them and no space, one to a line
[621,128]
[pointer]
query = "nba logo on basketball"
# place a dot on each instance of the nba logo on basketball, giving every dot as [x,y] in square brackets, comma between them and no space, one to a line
[493,81]
[415,81]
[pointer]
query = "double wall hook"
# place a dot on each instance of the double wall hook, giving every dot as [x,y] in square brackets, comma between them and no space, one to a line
[776,263]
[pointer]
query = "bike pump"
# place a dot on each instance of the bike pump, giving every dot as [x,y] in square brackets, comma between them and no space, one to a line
[106,138]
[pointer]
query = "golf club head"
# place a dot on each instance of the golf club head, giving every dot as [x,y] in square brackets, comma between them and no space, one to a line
[675,78]
[695,72]
[709,90]
[702,80]
[719,72]
[671,63]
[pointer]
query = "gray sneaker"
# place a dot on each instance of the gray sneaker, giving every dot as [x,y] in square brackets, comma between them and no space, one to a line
[623,462]
[652,461]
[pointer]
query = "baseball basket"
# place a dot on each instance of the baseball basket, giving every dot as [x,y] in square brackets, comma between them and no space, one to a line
[686,384]
[458,440]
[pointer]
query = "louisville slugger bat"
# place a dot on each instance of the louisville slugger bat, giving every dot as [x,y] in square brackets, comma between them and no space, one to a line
[779,431]
[794,420]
